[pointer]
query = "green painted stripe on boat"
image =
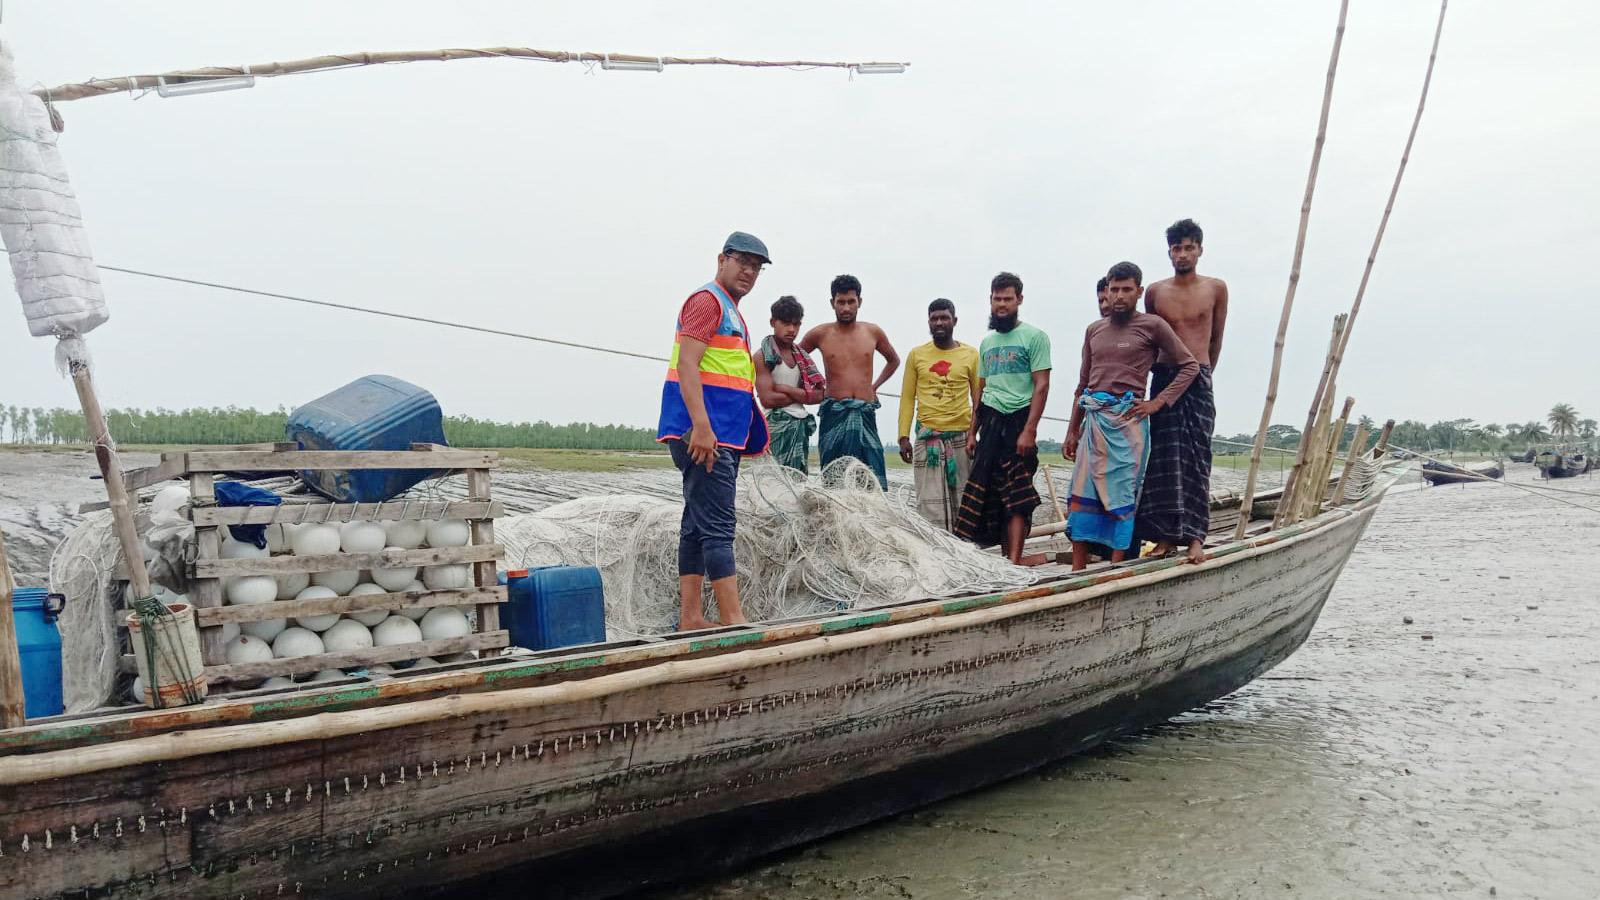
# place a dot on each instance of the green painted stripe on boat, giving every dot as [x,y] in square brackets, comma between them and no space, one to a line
[304,700]
[854,622]
[67,732]
[565,665]
[962,605]
[727,640]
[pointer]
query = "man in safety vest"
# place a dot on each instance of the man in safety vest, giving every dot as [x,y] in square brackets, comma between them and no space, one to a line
[709,419]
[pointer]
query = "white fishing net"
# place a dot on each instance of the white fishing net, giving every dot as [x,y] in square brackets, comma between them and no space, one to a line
[83,570]
[803,546]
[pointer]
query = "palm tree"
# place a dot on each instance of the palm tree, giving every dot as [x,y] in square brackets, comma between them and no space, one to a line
[1563,420]
[1587,428]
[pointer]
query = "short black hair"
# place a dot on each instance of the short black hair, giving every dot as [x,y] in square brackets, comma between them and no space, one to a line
[1005,280]
[1183,229]
[844,284]
[788,309]
[1100,286]
[943,304]
[1125,270]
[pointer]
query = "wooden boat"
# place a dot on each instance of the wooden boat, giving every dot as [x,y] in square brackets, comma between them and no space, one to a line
[591,771]
[1562,463]
[1447,473]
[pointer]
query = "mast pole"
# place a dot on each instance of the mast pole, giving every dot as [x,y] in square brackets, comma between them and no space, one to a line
[105,454]
[1294,281]
[1330,374]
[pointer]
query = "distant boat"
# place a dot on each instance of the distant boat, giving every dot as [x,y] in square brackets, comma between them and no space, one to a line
[1562,463]
[1525,456]
[1447,473]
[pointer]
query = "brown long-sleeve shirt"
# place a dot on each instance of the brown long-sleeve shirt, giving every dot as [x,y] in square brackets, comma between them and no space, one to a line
[1117,360]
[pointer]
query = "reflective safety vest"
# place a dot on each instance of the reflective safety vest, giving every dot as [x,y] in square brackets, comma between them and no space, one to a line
[728,380]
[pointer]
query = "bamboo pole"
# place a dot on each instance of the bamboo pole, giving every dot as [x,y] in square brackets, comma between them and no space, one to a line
[1308,443]
[12,703]
[1050,482]
[1325,385]
[1294,280]
[105,454]
[1383,440]
[1322,465]
[131,83]
[1357,448]
[1321,403]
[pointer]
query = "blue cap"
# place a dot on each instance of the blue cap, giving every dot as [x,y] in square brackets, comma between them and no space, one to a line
[746,243]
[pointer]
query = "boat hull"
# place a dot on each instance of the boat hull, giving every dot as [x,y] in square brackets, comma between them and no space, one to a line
[731,839]
[1458,475]
[748,752]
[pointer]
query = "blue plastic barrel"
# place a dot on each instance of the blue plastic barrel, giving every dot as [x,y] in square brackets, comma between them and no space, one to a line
[39,644]
[375,412]
[555,606]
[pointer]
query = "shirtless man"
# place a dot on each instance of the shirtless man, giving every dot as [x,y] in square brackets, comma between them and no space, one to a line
[1175,507]
[850,410]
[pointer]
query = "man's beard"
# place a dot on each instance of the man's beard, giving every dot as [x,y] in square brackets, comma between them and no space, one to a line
[1121,317]
[1001,323]
[1183,269]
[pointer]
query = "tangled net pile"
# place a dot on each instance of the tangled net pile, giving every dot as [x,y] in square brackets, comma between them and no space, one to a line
[83,570]
[803,546]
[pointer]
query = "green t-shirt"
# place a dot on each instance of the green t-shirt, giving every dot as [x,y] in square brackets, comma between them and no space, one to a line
[1007,363]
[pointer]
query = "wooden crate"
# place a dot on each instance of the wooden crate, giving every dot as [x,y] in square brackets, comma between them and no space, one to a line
[209,570]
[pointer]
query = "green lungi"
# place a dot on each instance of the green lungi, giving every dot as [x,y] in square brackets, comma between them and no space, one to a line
[791,438]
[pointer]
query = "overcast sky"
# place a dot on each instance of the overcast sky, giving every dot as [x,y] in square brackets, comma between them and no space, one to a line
[1047,139]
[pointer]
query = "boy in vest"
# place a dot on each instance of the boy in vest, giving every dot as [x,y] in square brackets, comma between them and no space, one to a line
[709,419]
[786,381]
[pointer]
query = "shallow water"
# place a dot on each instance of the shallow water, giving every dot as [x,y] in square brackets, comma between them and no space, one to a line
[1374,762]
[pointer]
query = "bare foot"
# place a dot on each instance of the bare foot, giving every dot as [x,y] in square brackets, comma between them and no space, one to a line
[695,624]
[737,619]
[1197,553]
[1162,548]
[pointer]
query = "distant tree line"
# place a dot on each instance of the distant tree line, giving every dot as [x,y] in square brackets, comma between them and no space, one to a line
[232,425]
[1465,435]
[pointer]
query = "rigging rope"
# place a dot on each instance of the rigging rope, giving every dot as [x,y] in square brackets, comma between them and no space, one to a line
[271,295]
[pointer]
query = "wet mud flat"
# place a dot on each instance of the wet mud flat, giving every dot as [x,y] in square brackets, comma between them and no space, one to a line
[1455,756]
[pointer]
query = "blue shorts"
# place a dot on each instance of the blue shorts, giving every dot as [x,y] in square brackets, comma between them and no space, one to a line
[705,543]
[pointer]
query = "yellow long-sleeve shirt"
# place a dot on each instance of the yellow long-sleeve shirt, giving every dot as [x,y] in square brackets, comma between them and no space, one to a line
[938,386]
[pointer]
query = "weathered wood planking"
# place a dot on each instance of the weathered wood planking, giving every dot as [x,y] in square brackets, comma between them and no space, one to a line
[282,609]
[340,513]
[207,567]
[372,814]
[313,460]
[369,656]
[594,660]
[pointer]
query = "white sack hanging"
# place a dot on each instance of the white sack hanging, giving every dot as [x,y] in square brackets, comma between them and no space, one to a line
[40,220]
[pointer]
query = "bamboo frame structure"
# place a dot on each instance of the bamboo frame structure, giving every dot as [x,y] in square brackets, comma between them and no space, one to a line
[131,83]
[1310,502]
[1294,279]
[1331,374]
[12,703]
[1358,446]
[1319,418]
